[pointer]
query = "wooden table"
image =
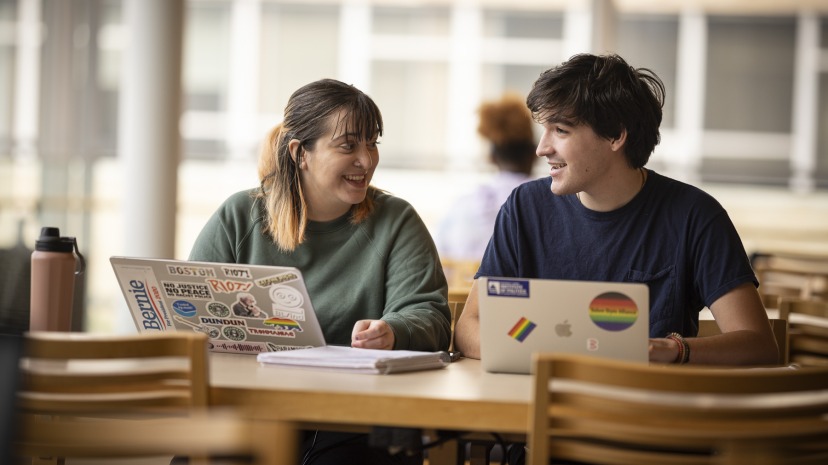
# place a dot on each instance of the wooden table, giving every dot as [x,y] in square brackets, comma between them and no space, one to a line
[460,397]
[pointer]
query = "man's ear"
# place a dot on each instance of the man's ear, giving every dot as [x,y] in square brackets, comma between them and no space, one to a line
[295,147]
[617,143]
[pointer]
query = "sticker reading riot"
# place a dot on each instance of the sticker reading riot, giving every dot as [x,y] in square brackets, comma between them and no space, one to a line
[228,286]
[235,272]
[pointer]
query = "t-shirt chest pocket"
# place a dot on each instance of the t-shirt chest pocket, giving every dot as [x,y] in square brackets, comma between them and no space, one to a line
[662,285]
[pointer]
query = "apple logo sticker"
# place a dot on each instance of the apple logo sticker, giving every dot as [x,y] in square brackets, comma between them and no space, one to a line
[563,329]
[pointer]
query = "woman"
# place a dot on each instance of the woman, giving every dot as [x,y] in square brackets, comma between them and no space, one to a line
[368,260]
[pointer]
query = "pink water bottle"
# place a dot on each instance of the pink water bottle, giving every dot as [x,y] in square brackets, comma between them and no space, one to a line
[54,268]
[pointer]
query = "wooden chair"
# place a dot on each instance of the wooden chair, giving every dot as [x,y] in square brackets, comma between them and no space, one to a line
[779,326]
[808,334]
[231,436]
[456,309]
[468,451]
[84,395]
[602,411]
[791,276]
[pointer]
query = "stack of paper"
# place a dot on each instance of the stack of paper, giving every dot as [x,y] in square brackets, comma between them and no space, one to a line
[357,360]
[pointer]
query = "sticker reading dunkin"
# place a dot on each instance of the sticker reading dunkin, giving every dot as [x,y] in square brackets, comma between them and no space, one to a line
[222,321]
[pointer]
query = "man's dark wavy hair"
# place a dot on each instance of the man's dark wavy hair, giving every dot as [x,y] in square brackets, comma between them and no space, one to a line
[607,94]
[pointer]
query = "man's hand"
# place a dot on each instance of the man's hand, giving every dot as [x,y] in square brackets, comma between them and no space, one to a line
[663,350]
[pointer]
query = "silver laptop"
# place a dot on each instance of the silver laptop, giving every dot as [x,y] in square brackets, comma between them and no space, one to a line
[242,308]
[519,317]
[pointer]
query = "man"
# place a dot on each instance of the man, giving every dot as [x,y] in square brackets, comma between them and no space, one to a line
[607,218]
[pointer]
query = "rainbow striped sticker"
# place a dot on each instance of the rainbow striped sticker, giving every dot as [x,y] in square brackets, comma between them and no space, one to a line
[283,323]
[613,311]
[521,329]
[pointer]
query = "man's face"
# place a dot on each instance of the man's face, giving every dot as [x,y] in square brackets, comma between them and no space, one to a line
[576,155]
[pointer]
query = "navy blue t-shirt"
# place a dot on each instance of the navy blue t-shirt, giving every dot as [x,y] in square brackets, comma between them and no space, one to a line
[672,236]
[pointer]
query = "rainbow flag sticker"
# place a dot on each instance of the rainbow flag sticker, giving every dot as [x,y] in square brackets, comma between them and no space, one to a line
[613,311]
[521,329]
[283,323]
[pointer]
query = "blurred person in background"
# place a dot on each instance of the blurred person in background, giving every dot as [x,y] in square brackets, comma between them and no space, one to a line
[506,124]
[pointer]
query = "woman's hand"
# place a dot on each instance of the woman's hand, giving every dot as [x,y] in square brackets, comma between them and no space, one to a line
[372,334]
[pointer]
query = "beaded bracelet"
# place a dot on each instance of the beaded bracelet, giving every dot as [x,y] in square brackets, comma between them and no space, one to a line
[684,348]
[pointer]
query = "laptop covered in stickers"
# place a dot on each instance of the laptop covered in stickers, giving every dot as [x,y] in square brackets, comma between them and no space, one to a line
[242,308]
[519,317]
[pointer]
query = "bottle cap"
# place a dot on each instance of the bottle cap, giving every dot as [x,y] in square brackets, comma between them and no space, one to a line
[50,241]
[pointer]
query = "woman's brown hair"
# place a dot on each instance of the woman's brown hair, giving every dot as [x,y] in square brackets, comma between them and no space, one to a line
[306,119]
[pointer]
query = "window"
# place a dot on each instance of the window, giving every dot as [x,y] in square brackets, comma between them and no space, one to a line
[652,42]
[750,64]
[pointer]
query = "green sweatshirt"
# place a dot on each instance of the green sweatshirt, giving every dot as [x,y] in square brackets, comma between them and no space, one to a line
[386,267]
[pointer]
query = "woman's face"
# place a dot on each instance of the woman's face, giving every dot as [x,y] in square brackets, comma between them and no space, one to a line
[336,171]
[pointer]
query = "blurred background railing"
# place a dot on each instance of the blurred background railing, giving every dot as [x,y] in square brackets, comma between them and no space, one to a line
[745,118]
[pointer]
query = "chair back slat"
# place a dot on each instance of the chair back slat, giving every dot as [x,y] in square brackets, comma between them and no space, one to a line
[138,395]
[798,276]
[605,411]
[808,333]
[124,372]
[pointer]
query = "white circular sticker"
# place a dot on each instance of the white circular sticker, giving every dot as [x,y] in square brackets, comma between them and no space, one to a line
[286,296]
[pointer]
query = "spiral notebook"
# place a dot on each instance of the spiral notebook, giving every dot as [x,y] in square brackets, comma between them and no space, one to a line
[354,360]
[242,308]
